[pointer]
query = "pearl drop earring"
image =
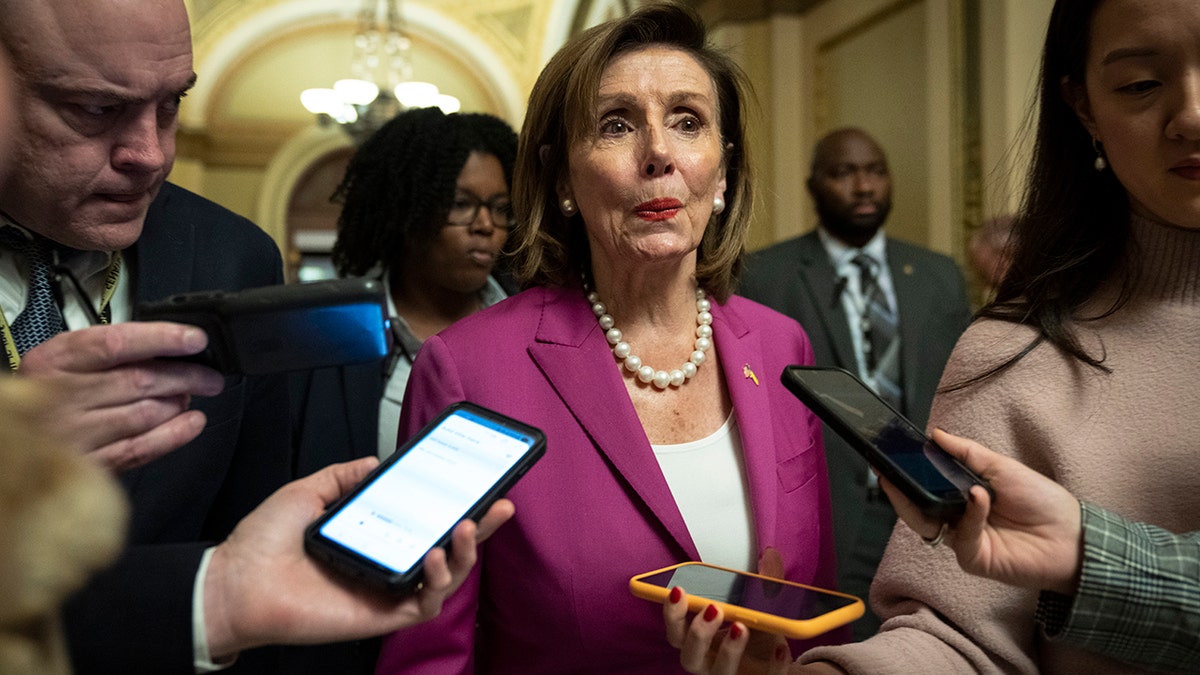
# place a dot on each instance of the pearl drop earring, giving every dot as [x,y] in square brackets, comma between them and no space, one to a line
[1100,163]
[568,207]
[718,205]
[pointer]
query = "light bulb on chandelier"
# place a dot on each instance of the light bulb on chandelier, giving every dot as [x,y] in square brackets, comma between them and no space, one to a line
[425,95]
[358,104]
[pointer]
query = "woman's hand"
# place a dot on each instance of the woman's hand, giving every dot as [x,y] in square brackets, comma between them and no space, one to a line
[706,647]
[1030,537]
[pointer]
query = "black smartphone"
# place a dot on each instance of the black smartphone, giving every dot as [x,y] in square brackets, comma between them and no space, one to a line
[762,603]
[273,329]
[926,474]
[455,468]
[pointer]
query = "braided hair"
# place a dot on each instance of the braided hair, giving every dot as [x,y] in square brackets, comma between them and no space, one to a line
[399,185]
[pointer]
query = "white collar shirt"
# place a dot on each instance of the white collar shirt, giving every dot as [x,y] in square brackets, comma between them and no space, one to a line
[842,258]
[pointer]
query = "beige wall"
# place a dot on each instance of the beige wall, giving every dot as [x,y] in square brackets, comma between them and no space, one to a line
[239,186]
[243,128]
[897,99]
[944,84]
[880,64]
[895,67]
[1011,44]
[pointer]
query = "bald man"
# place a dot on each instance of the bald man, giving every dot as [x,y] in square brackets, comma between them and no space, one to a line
[99,83]
[818,280]
[98,86]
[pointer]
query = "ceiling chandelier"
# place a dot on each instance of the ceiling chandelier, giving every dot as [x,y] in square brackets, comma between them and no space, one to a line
[380,83]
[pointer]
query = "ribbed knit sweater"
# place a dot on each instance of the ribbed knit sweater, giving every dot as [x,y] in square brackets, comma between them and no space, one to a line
[1128,441]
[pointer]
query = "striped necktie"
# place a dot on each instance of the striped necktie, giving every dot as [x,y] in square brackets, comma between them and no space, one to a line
[41,318]
[880,333]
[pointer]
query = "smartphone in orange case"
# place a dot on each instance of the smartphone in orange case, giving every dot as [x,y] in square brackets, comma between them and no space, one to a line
[762,603]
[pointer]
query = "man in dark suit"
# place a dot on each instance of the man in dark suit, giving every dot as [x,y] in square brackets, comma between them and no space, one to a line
[99,84]
[883,309]
[95,144]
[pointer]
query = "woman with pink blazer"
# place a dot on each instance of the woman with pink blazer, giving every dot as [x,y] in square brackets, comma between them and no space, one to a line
[670,436]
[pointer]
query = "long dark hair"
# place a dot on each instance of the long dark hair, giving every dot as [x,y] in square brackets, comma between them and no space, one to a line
[400,184]
[1073,229]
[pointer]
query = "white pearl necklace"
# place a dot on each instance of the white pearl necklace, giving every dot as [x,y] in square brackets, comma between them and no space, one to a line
[661,379]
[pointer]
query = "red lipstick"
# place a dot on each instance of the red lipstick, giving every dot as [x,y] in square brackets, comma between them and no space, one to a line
[659,208]
[1188,169]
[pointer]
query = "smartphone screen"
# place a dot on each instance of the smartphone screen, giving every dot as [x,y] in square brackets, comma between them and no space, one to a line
[762,603]
[454,469]
[760,594]
[848,406]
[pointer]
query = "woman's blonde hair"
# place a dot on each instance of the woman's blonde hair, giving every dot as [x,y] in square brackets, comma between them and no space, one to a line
[552,249]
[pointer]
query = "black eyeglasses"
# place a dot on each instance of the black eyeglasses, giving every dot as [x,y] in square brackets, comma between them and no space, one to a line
[465,209]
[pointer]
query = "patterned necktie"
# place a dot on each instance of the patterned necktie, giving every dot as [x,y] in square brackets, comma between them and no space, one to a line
[881,337]
[41,318]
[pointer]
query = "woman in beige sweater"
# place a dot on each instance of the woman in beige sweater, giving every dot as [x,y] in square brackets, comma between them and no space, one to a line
[1086,366]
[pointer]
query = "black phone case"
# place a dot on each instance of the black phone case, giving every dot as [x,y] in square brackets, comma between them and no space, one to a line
[945,506]
[274,329]
[351,564]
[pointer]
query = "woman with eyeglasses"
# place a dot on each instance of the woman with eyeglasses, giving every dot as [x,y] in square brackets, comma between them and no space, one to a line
[425,207]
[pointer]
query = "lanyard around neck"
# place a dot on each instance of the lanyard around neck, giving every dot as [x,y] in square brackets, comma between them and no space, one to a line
[111,276]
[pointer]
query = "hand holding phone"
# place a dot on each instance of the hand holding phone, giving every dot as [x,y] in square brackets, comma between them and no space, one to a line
[453,469]
[929,476]
[762,603]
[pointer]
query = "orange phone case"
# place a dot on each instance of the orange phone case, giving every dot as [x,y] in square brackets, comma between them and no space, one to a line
[756,620]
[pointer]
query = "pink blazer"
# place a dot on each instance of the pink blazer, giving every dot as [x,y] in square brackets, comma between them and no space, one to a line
[550,594]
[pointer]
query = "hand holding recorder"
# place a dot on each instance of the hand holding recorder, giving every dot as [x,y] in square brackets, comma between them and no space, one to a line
[759,602]
[127,404]
[773,608]
[1027,535]
[262,588]
[934,481]
[452,469]
[132,382]
[711,646]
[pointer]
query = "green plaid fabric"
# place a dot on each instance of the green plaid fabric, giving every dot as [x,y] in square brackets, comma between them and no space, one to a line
[1139,595]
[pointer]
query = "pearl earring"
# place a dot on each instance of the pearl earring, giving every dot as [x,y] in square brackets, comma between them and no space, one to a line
[1100,163]
[568,207]
[718,205]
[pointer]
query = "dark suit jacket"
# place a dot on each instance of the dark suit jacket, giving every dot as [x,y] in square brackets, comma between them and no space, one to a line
[335,415]
[795,277]
[335,418]
[137,616]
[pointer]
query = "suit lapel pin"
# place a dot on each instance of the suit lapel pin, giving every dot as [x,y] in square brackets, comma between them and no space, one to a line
[749,374]
[908,270]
